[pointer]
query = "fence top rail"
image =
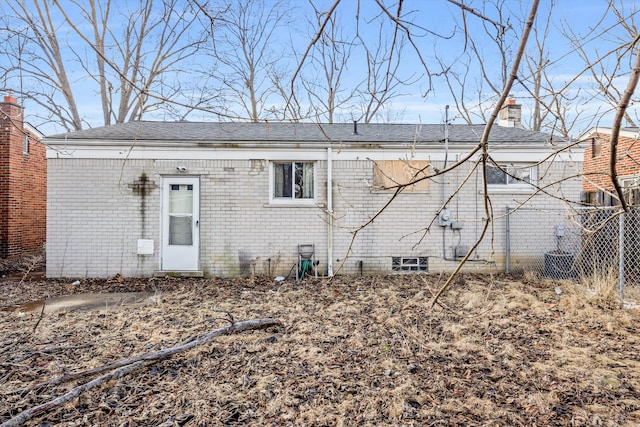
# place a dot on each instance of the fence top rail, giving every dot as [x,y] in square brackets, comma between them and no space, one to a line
[573,209]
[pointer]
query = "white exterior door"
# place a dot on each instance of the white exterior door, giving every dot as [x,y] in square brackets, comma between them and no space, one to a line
[180,224]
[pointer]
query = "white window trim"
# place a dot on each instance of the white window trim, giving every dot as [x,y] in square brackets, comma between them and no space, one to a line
[629,182]
[25,143]
[291,201]
[519,186]
[630,185]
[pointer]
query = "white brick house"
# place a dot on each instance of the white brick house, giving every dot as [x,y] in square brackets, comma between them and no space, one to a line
[235,199]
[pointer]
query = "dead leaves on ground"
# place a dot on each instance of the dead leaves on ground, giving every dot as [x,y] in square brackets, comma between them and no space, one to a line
[353,351]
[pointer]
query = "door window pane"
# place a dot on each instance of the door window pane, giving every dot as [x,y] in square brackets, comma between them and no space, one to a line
[180,230]
[181,199]
[181,215]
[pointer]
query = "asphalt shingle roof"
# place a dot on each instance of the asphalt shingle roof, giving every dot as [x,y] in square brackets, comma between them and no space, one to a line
[298,132]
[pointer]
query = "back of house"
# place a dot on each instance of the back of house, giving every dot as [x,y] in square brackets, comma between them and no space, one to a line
[277,199]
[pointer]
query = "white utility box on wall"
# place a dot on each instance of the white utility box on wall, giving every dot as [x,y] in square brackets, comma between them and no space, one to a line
[145,247]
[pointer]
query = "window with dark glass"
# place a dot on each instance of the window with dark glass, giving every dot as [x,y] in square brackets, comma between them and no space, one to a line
[511,174]
[293,180]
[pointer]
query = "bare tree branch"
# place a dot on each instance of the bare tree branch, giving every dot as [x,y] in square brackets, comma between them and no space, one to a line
[484,144]
[623,104]
[466,8]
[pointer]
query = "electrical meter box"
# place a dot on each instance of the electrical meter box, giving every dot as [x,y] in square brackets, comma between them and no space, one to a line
[444,219]
[456,225]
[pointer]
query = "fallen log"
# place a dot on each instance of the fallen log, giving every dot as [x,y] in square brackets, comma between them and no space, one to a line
[234,327]
[125,366]
[27,414]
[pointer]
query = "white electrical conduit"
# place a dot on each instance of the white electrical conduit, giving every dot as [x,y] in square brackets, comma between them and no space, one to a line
[329,214]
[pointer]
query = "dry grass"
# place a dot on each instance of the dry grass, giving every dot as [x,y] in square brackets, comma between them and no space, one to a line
[602,288]
[18,267]
[355,351]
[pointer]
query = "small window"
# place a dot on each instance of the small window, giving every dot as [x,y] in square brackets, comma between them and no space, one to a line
[596,147]
[631,189]
[589,197]
[400,264]
[512,175]
[603,198]
[25,143]
[293,181]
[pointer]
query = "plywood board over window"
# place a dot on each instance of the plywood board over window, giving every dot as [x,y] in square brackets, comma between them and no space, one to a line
[390,173]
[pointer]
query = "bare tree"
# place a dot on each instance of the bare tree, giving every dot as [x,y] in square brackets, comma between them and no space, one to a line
[323,77]
[605,68]
[552,109]
[384,79]
[475,94]
[33,51]
[134,67]
[382,89]
[475,83]
[243,43]
[350,75]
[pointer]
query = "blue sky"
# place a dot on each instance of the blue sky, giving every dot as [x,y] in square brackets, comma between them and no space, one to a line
[437,19]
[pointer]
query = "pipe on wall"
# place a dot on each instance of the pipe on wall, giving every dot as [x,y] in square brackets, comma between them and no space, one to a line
[330,214]
[444,183]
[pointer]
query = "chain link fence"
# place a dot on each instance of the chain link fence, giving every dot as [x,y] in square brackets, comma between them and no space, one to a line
[559,244]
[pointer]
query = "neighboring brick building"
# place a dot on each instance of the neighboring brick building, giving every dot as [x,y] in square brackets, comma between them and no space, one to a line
[234,199]
[23,183]
[596,184]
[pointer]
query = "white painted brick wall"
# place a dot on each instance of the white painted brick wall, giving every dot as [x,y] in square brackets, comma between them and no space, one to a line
[401,229]
[95,219]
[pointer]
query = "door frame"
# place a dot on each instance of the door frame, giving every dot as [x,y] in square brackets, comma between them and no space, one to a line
[179,257]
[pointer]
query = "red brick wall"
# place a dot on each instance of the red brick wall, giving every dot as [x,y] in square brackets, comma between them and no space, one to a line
[4,184]
[23,186]
[596,168]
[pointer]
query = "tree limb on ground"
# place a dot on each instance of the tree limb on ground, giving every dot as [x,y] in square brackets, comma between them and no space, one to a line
[50,350]
[128,365]
[27,414]
[234,327]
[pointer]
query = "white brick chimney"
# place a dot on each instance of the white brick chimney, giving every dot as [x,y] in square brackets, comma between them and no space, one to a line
[511,114]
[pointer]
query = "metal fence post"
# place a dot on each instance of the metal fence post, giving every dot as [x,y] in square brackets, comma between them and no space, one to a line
[621,254]
[507,259]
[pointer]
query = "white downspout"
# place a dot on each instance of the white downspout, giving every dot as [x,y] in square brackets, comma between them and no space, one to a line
[330,214]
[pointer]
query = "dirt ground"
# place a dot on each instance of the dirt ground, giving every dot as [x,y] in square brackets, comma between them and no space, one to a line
[351,351]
